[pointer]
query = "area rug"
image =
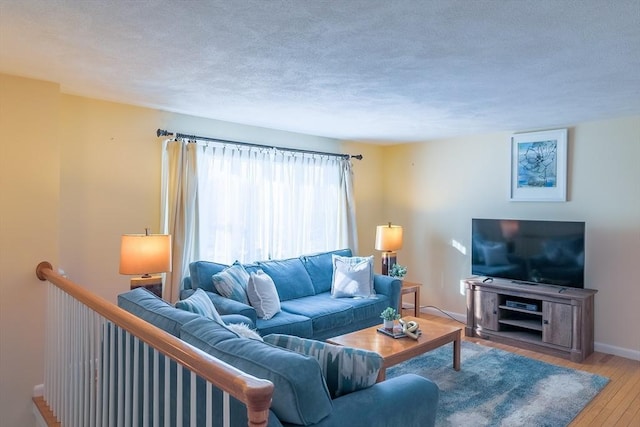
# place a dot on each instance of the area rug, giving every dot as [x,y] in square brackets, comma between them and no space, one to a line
[498,388]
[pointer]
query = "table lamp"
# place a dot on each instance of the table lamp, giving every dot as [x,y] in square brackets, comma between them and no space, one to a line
[145,254]
[388,240]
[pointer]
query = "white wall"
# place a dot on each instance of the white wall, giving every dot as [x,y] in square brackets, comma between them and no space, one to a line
[435,188]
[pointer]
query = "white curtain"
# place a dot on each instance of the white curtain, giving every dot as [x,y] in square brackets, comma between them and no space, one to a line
[347,208]
[178,213]
[233,203]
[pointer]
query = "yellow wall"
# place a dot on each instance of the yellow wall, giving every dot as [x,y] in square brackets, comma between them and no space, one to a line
[110,179]
[368,179]
[77,173]
[438,186]
[110,185]
[29,195]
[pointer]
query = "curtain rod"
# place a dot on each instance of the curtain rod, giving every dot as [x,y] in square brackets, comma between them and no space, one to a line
[162,132]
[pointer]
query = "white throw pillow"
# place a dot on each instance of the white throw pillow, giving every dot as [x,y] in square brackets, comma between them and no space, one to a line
[352,277]
[263,295]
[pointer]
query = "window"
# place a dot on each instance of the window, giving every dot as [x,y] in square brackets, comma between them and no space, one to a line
[225,203]
[258,204]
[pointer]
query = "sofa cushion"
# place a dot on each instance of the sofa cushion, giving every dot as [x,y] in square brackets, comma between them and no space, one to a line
[352,277]
[320,268]
[345,369]
[286,323]
[300,395]
[290,277]
[363,308]
[263,295]
[324,313]
[155,310]
[201,304]
[201,272]
[232,283]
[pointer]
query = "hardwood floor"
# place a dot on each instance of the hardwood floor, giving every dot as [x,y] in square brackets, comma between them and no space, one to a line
[618,404]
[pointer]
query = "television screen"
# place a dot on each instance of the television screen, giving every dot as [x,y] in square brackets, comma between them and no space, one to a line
[549,252]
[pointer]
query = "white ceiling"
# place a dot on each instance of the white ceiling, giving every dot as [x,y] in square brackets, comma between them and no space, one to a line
[401,70]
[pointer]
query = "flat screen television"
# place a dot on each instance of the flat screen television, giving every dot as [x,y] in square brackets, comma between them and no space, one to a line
[527,251]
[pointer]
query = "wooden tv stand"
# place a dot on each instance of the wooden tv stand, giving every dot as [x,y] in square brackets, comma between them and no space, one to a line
[545,318]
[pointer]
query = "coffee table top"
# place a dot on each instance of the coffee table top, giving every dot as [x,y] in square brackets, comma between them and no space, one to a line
[395,350]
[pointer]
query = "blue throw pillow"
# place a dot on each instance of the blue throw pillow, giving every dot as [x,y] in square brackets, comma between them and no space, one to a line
[345,369]
[201,304]
[232,283]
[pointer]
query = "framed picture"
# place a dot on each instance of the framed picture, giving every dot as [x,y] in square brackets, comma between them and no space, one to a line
[539,166]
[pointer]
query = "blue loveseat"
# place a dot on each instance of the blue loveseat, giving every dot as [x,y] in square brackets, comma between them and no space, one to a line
[304,289]
[301,395]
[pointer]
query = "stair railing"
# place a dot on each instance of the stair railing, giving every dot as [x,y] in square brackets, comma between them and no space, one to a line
[107,367]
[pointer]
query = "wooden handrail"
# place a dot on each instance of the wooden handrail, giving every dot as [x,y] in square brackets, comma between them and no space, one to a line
[254,392]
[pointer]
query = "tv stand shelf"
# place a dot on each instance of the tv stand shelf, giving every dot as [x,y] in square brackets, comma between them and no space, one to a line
[523,323]
[545,318]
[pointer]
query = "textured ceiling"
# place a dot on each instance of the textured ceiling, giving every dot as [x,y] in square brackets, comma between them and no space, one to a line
[359,69]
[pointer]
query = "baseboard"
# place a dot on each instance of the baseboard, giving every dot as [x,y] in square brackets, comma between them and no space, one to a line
[38,390]
[599,347]
[39,419]
[617,351]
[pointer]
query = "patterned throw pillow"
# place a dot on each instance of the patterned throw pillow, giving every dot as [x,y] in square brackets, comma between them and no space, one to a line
[345,369]
[201,304]
[352,277]
[263,295]
[232,283]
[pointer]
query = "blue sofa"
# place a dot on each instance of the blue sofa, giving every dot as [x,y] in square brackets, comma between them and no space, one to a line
[301,395]
[304,289]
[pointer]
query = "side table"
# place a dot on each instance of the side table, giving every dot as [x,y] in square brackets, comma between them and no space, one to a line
[152,284]
[411,288]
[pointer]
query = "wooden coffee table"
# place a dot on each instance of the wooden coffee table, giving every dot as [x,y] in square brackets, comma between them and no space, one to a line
[396,350]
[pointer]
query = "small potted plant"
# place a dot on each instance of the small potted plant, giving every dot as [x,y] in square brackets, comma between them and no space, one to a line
[398,271]
[389,315]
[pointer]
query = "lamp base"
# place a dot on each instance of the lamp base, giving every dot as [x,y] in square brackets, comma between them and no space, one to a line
[151,283]
[388,260]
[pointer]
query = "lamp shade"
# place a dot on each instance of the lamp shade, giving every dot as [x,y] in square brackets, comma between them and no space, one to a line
[388,237]
[145,253]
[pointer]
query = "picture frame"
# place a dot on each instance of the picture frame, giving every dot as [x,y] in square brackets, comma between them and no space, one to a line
[539,166]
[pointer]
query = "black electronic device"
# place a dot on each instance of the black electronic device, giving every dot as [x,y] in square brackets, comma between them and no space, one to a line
[529,251]
[522,305]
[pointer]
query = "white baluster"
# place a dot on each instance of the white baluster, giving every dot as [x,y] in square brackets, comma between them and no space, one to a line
[193,399]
